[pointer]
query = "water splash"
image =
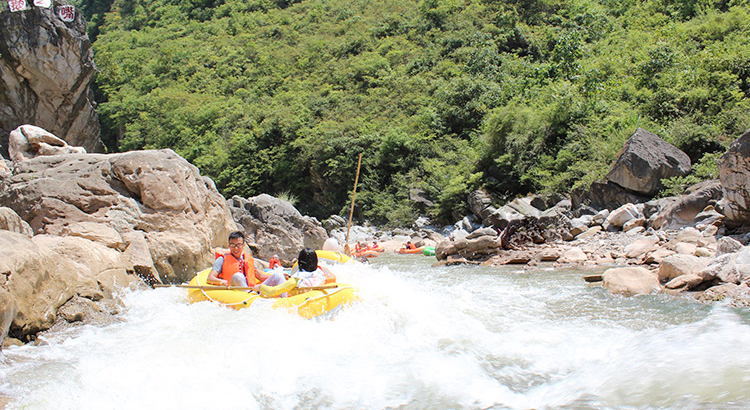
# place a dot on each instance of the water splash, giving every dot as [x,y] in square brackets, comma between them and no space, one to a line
[421,338]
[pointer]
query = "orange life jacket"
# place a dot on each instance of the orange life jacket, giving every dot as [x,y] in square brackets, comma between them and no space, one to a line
[412,246]
[330,277]
[274,263]
[232,265]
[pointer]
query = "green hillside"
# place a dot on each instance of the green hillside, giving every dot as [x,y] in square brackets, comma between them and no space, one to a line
[441,95]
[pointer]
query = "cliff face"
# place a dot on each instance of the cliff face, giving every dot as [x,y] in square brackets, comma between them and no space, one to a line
[46,73]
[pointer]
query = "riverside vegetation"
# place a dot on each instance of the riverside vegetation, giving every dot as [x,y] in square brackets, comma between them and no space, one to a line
[442,96]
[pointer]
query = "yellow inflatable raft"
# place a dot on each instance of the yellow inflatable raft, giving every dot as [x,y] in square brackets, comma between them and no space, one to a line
[308,305]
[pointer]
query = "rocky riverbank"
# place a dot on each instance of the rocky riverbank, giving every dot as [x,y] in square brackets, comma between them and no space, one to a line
[75,227]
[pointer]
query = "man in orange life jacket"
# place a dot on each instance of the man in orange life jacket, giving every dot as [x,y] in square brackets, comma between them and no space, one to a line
[232,268]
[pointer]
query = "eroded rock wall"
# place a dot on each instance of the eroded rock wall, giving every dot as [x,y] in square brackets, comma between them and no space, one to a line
[46,73]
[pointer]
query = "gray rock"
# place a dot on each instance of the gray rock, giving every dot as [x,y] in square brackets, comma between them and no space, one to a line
[46,74]
[605,195]
[600,217]
[738,295]
[684,210]
[734,173]
[276,226]
[480,204]
[623,214]
[482,232]
[523,206]
[502,217]
[334,222]
[646,160]
[727,245]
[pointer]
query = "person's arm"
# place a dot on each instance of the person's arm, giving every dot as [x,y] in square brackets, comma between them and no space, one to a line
[252,271]
[213,276]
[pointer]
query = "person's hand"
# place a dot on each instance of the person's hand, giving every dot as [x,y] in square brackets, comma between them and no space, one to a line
[224,282]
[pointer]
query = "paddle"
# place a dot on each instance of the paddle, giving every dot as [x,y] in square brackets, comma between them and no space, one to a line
[351,212]
[228,287]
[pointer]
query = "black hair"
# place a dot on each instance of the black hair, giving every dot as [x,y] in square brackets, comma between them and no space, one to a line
[237,234]
[307,260]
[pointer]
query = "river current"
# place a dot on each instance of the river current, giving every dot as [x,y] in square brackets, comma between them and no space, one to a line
[459,337]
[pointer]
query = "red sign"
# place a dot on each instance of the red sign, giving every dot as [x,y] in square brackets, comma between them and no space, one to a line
[17,5]
[67,13]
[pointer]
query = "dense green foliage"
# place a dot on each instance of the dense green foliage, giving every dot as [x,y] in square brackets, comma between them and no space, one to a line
[446,96]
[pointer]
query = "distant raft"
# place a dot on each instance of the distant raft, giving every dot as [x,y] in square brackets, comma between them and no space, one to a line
[308,304]
[415,250]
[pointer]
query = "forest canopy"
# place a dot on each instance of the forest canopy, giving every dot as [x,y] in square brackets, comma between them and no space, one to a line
[440,96]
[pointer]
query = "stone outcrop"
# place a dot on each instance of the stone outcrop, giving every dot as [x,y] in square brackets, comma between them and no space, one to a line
[682,211]
[40,276]
[29,141]
[46,74]
[275,226]
[478,247]
[154,201]
[734,173]
[646,160]
[605,195]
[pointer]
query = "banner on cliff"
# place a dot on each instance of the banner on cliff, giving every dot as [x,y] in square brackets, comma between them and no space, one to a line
[67,13]
[43,3]
[17,5]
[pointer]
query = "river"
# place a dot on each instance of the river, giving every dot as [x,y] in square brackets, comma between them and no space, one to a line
[459,337]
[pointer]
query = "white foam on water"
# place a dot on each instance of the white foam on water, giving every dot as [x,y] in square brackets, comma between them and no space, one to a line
[419,338]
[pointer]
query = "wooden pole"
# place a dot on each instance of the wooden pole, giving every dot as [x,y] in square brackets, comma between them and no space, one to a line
[351,212]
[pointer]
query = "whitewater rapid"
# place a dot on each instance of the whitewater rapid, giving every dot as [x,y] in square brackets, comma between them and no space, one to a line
[420,338]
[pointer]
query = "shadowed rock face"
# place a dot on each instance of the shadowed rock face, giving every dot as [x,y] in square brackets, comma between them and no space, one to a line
[46,73]
[734,172]
[646,160]
[275,226]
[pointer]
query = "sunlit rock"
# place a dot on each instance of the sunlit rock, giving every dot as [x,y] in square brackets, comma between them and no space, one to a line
[635,280]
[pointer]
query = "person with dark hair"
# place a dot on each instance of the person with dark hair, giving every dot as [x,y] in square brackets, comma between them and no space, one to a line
[307,273]
[310,273]
[235,268]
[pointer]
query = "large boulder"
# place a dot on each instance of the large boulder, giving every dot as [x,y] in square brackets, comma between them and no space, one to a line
[503,217]
[605,195]
[38,280]
[479,247]
[46,74]
[155,196]
[645,160]
[41,275]
[678,265]
[683,210]
[275,226]
[734,173]
[524,207]
[480,204]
